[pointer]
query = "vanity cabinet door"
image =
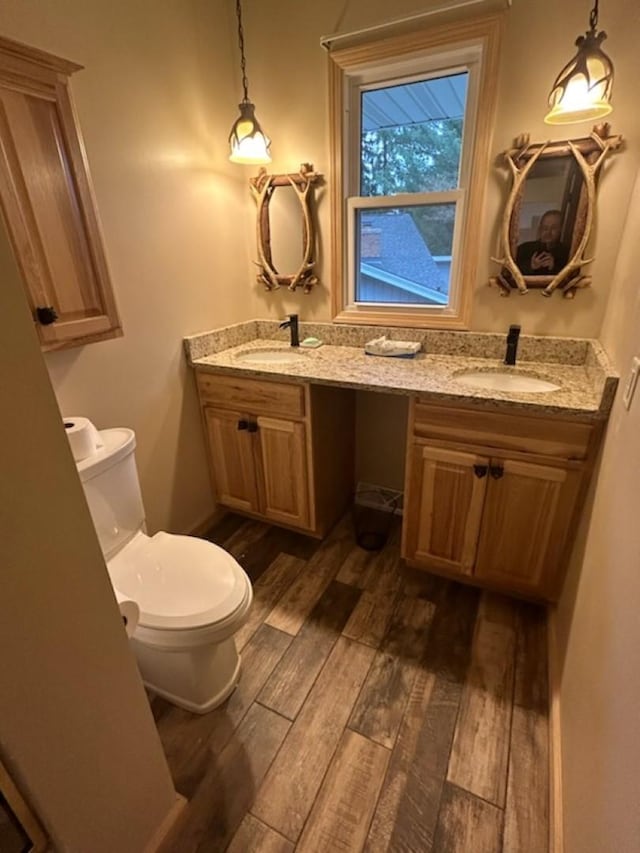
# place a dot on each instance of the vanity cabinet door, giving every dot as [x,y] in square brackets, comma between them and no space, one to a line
[259,465]
[444,507]
[527,515]
[231,450]
[495,497]
[283,475]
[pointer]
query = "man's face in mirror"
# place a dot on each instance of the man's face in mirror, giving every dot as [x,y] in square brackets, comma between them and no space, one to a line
[550,227]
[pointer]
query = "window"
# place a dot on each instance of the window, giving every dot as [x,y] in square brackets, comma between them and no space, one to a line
[411,119]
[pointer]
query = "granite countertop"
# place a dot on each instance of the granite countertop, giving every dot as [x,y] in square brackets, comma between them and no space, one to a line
[579,366]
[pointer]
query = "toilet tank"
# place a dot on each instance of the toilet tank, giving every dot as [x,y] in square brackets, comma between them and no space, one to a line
[110,482]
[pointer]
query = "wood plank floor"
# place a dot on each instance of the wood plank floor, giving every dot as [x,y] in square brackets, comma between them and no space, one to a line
[379,709]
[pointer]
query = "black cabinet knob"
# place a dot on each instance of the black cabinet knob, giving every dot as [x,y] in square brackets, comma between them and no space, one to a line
[243,424]
[253,426]
[496,471]
[480,470]
[46,315]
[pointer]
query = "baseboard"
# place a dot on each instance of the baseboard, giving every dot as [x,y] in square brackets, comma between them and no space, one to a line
[23,813]
[207,523]
[166,827]
[556,838]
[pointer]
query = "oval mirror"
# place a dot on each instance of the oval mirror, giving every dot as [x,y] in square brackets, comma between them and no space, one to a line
[285,228]
[549,213]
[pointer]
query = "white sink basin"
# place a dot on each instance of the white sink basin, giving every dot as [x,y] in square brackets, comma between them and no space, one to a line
[502,381]
[270,356]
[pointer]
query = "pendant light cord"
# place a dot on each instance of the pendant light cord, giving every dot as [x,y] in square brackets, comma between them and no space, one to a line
[593,17]
[243,64]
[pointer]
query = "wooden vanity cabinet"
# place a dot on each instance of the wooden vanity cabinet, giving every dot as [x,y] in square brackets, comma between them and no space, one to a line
[47,201]
[279,451]
[260,465]
[231,453]
[494,498]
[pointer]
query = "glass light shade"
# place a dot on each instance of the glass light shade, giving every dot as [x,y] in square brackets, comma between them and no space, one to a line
[249,144]
[582,90]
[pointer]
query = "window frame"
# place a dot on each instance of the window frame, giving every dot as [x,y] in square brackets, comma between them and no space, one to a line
[359,203]
[468,45]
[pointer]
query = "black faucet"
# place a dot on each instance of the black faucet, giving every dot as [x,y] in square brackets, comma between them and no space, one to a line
[292,323]
[512,345]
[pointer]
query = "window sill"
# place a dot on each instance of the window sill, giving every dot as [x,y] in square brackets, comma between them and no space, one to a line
[400,318]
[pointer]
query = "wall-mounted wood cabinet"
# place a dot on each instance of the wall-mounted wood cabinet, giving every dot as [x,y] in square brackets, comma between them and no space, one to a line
[47,201]
[494,498]
[279,451]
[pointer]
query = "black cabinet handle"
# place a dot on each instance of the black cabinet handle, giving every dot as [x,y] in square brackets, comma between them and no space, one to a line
[480,471]
[253,426]
[46,315]
[243,424]
[496,471]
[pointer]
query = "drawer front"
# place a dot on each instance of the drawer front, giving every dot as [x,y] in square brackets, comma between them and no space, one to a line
[542,436]
[251,395]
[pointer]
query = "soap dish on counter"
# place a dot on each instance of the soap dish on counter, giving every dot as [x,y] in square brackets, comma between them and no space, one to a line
[311,343]
[394,349]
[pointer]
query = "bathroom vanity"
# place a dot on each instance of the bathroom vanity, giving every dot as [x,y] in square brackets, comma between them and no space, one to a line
[494,496]
[495,479]
[278,450]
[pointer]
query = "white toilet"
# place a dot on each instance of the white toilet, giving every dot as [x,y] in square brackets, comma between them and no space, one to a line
[193,596]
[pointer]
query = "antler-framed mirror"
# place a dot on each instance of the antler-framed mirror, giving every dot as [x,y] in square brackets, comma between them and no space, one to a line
[275,217]
[549,213]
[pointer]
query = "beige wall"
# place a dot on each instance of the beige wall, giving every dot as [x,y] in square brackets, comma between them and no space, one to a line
[76,731]
[287,72]
[598,626]
[155,101]
[381,427]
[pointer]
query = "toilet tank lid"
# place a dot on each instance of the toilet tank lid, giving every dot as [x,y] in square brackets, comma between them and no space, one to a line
[118,443]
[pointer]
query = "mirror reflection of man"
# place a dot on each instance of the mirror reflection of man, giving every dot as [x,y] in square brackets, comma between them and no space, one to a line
[546,255]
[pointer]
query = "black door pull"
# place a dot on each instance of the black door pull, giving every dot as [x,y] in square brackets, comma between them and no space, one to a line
[243,424]
[253,426]
[496,471]
[46,315]
[480,471]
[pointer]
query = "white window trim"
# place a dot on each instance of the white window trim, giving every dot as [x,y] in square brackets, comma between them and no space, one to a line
[468,44]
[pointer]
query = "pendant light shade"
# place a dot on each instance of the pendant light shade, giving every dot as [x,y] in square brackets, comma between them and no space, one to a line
[249,144]
[582,90]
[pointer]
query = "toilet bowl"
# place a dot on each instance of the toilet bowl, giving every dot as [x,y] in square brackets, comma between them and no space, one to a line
[193,596]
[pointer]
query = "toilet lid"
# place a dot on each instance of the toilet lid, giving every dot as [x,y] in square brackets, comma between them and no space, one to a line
[178,581]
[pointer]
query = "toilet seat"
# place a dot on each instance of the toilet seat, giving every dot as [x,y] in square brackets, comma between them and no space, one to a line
[187,589]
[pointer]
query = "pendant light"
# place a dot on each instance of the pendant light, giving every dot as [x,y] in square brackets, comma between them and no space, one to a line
[582,90]
[248,142]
